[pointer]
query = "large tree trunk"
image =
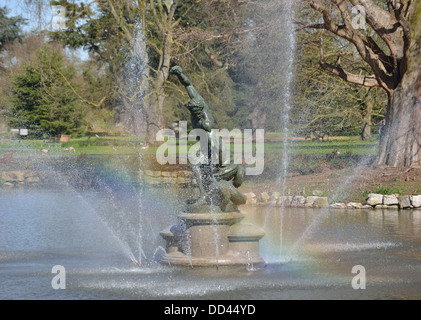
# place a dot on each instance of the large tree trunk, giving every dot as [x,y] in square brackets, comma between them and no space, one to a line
[401,142]
[397,69]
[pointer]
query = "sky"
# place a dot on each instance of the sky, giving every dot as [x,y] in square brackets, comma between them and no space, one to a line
[18,7]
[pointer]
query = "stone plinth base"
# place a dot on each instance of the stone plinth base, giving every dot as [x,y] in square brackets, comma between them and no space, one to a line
[212,239]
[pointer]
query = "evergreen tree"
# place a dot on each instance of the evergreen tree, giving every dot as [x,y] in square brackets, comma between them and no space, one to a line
[10,27]
[43,96]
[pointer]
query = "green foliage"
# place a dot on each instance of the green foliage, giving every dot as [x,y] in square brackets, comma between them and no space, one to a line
[384,190]
[43,99]
[10,27]
[95,29]
[107,28]
[232,51]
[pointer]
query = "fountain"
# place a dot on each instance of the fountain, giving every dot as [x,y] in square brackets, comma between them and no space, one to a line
[210,232]
[95,231]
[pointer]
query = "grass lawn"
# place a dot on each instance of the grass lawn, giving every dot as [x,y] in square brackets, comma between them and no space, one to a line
[308,167]
[84,145]
[108,145]
[352,145]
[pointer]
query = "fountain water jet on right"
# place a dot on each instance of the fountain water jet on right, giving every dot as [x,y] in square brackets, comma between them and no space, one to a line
[289,51]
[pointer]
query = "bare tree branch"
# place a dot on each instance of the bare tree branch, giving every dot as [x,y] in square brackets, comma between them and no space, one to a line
[387,68]
[367,81]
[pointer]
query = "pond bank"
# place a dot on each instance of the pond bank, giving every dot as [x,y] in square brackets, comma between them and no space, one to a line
[343,185]
[374,201]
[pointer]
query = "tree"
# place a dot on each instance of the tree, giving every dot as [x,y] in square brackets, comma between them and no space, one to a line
[10,28]
[189,33]
[43,98]
[12,60]
[109,32]
[325,105]
[390,46]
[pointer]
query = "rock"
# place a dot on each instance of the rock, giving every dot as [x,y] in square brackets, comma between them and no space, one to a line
[166,173]
[321,202]
[156,173]
[298,201]
[8,184]
[381,206]
[374,199]
[416,201]
[168,180]
[182,180]
[149,172]
[390,200]
[310,201]
[394,206]
[317,193]
[264,197]
[287,200]
[29,174]
[354,205]
[183,173]
[250,195]
[284,201]
[150,180]
[367,206]
[404,202]
[13,176]
[275,196]
[32,179]
[339,205]
[252,201]
[189,174]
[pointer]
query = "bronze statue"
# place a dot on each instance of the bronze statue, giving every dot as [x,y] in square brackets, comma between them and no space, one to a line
[217,183]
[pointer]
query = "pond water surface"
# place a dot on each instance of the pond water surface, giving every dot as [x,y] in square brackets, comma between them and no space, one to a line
[93,235]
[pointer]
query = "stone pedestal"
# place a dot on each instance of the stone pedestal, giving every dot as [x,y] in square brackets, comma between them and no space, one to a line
[212,239]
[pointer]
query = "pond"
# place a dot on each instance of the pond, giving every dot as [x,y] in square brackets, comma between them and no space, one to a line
[93,235]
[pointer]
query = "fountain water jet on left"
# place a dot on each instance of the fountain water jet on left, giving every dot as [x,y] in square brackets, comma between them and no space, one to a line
[134,91]
[136,82]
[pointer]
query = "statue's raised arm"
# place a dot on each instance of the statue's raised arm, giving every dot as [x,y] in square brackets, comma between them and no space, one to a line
[200,113]
[185,81]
